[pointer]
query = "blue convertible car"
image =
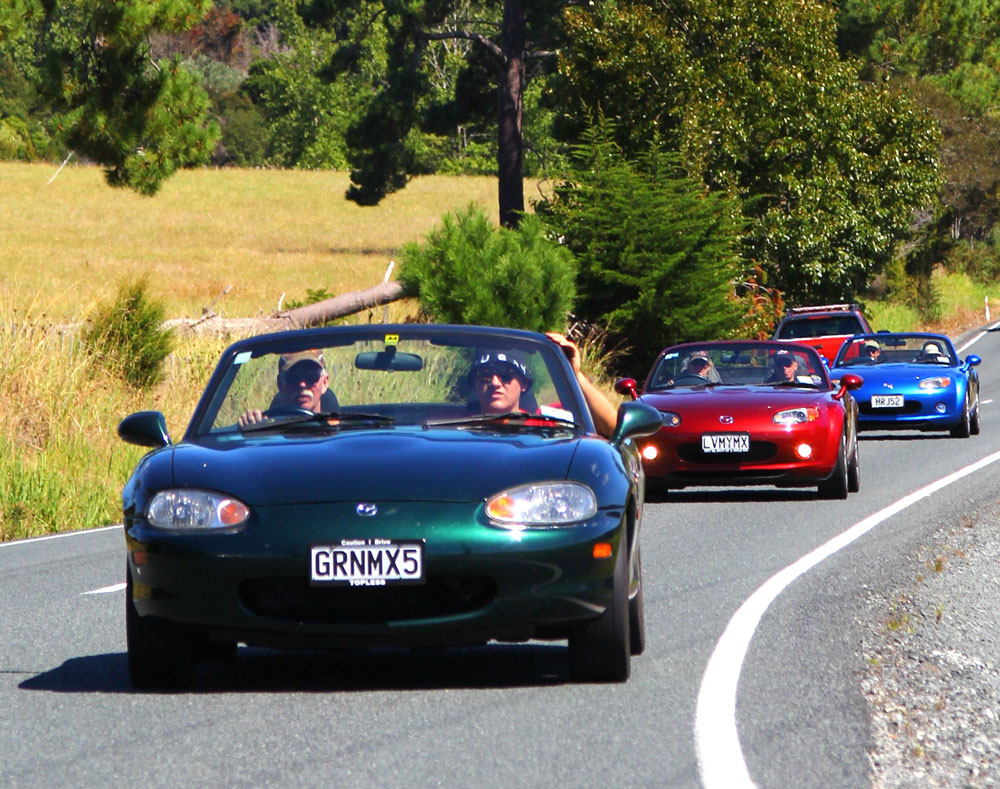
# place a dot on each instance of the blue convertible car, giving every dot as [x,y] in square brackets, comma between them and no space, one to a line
[913,381]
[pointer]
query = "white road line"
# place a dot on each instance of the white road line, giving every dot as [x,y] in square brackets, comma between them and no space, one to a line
[978,337]
[720,759]
[29,540]
[107,589]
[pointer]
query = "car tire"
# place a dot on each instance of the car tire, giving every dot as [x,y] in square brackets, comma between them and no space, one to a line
[600,650]
[974,425]
[964,428]
[637,614]
[854,470]
[159,656]
[836,487]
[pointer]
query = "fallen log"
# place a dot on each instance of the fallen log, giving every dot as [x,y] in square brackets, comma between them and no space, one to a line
[299,318]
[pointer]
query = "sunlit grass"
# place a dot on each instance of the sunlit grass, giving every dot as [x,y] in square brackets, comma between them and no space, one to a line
[261,233]
[962,305]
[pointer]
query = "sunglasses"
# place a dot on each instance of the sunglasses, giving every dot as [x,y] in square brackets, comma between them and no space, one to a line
[486,376]
[308,374]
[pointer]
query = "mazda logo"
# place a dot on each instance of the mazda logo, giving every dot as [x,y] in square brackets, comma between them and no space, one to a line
[887,385]
[726,420]
[366,510]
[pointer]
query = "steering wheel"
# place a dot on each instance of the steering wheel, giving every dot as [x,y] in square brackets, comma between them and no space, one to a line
[689,378]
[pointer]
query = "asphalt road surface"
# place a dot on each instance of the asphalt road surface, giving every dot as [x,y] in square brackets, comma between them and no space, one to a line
[505,714]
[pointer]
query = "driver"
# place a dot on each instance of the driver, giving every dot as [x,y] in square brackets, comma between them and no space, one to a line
[303,382]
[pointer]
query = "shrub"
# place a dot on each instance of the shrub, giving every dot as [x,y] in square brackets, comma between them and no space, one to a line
[658,257]
[469,271]
[126,335]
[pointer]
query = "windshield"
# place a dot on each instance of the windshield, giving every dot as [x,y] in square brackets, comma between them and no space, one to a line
[737,364]
[405,377]
[826,326]
[888,348]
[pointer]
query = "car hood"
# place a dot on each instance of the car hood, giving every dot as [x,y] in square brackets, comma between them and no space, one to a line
[375,465]
[731,398]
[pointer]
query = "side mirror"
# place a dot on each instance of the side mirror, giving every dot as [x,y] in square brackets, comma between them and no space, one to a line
[145,428]
[635,420]
[848,383]
[627,386]
[972,360]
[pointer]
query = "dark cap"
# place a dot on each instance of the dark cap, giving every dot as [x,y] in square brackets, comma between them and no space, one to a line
[784,358]
[501,359]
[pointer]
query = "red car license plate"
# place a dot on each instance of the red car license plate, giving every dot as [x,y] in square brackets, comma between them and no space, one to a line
[725,442]
[368,562]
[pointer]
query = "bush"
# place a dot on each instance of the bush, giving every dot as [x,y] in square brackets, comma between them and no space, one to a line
[658,257]
[471,272]
[126,336]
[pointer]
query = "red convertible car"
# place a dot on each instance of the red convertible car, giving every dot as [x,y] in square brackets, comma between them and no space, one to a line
[748,412]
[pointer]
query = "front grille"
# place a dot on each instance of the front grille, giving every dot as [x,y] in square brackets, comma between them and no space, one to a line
[759,452]
[909,407]
[297,600]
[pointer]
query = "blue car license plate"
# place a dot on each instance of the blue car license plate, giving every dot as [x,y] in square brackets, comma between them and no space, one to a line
[725,442]
[887,401]
[368,562]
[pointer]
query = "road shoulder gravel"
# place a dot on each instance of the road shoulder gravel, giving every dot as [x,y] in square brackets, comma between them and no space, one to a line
[932,672]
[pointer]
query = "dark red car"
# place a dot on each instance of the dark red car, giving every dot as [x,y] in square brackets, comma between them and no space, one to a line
[824,327]
[748,412]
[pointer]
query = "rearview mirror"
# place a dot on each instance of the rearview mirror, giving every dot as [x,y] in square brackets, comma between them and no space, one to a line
[389,359]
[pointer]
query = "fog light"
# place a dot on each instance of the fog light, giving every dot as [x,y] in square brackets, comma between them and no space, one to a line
[804,451]
[649,452]
[940,408]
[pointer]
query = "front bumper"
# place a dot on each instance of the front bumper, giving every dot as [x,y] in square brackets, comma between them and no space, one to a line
[772,459]
[481,582]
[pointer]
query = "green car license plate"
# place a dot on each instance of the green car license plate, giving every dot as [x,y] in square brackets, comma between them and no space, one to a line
[368,562]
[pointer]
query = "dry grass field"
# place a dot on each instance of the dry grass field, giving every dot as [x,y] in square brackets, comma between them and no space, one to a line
[260,233]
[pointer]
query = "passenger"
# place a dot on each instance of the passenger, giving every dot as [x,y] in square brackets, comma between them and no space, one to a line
[930,353]
[303,382]
[784,368]
[602,410]
[499,378]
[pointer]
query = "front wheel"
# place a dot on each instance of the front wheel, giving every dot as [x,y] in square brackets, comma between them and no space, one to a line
[637,613]
[160,657]
[837,485]
[600,650]
[964,428]
[854,470]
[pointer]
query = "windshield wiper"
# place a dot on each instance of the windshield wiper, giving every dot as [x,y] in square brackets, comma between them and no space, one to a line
[330,419]
[518,418]
[810,384]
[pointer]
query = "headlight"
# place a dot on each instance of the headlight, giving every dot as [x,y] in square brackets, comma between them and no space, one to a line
[670,419]
[185,509]
[796,416]
[938,382]
[546,504]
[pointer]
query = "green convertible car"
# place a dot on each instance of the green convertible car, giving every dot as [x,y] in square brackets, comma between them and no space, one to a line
[385,485]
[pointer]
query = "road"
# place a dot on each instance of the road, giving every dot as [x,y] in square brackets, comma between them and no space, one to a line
[504,714]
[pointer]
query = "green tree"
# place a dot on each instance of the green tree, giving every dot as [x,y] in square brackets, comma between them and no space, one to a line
[829,170]
[141,119]
[498,44]
[468,271]
[658,253]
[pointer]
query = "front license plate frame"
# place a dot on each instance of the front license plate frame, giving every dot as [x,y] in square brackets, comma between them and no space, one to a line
[725,443]
[368,561]
[887,401]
